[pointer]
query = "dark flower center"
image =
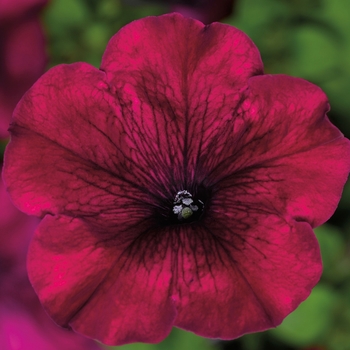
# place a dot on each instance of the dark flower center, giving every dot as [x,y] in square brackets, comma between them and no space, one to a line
[183,206]
[186,208]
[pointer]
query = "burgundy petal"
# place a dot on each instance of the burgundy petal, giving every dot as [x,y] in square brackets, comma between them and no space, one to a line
[86,156]
[24,329]
[244,273]
[106,130]
[284,154]
[16,228]
[174,95]
[179,64]
[80,279]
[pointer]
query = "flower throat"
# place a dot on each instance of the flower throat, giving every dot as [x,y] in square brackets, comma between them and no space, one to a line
[186,209]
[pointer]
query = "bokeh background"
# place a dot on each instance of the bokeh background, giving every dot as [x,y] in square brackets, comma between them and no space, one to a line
[304,38]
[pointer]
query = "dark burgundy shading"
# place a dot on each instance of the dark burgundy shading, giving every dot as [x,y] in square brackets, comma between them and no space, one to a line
[206,11]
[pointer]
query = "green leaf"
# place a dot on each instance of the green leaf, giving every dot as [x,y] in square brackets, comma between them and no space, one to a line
[332,246]
[315,53]
[65,15]
[109,9]
[310,321]
[178,339]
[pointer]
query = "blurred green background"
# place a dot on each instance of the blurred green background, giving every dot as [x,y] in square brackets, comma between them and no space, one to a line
[304,38]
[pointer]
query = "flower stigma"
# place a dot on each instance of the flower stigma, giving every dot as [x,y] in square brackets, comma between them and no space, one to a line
[186,208]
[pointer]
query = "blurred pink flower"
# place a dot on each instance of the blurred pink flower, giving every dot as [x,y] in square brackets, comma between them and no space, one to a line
[178,185]
[22,53]
[24,325]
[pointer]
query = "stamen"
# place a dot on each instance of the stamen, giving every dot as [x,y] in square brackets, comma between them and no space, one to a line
[185,206]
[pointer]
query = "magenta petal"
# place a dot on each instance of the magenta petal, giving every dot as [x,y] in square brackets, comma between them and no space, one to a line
[86,153]
[248,279]
[135,307]
[177,65]
[288,158]
[105,131]
[24,329]
[88,187]
[70,271]
[92,285]
[16,227]
[179,95]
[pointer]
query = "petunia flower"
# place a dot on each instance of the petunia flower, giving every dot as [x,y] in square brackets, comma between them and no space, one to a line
[23,322]
[178,185]
[22,53]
